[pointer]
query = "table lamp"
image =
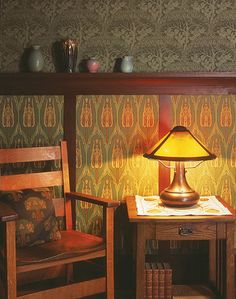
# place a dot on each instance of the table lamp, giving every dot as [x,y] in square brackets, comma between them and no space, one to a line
[179,145]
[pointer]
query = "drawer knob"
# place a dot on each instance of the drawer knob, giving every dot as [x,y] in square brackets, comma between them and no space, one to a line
[185,231]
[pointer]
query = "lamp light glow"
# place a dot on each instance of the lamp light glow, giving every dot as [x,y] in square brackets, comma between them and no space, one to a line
[179,145]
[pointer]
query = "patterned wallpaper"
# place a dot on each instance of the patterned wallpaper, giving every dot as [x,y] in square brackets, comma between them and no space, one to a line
[212,119]
[162,35]
[113,132]
[30,120]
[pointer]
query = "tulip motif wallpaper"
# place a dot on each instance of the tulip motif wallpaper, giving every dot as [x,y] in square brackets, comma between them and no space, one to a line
[30,120]
[113,131]
[211,118]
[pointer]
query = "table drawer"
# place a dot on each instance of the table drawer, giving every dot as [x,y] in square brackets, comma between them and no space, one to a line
[185,231]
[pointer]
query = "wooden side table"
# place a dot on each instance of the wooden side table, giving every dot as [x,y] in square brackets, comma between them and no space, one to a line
[218,230]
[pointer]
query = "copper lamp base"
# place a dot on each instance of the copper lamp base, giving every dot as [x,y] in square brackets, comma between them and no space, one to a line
[179,193]
[175,199]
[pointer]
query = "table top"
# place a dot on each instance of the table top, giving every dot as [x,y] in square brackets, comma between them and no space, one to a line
[133,217]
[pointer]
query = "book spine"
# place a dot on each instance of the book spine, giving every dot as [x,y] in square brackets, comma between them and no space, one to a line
[148,270]
[168,283]
[155,281]
[161,285]
[145,283]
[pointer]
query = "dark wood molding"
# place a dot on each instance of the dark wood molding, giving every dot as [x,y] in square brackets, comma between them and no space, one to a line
[117,83]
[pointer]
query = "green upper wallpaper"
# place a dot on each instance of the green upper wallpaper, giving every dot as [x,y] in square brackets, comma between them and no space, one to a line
[162,35]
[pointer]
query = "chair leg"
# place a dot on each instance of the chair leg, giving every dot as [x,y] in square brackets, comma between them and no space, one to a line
[110,252]
[10,253]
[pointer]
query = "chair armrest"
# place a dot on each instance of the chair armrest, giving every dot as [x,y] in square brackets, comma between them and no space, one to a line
[93,199]
[7,213]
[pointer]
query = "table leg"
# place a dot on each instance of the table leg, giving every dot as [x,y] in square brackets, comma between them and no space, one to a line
[140,261]
[212,262]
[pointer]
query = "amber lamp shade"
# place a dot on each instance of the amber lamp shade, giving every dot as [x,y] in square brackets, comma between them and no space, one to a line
[179,145]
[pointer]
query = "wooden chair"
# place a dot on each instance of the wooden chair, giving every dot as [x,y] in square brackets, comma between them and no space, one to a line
[73,249]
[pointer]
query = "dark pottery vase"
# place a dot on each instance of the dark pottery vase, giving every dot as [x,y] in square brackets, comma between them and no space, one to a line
[70,49]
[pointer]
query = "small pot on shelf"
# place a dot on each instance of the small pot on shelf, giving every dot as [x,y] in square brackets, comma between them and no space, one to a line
[93,65]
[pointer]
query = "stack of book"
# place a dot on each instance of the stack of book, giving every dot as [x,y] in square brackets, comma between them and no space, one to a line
[158,281]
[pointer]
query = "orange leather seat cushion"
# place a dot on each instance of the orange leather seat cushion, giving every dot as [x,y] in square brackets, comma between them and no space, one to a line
[72,244]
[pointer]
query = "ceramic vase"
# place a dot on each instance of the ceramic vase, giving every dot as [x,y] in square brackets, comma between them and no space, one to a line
[93,65]
[127,64]
[35,60]
[70,48]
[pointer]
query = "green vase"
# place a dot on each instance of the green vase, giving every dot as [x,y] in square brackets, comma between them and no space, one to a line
[35,60]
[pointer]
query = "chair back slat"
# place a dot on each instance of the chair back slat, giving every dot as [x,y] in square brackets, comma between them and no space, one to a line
[29,154]
[30,180]
[41,179]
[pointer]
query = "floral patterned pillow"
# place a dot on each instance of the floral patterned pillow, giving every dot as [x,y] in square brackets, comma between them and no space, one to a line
[36,222]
